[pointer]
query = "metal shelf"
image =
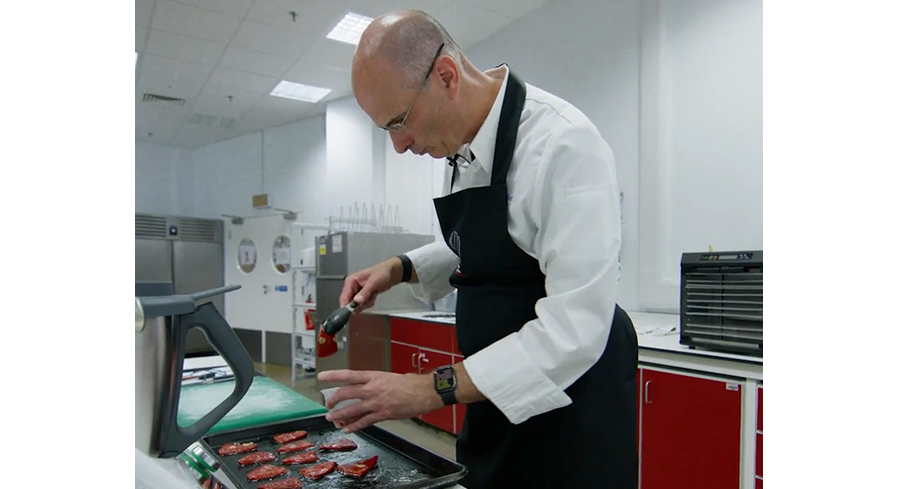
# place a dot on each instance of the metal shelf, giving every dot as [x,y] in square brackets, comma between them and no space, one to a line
[309,305]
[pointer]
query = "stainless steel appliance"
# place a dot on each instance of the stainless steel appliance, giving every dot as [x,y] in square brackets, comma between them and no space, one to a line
[341,254]
[163,320]
[186,251]
[721,301]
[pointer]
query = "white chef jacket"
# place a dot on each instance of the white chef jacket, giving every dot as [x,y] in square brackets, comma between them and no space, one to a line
[563,210]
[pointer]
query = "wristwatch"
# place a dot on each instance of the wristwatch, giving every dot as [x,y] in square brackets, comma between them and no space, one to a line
[445,383]
[406,267]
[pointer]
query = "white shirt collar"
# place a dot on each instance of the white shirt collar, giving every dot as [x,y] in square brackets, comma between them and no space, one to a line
[483,144]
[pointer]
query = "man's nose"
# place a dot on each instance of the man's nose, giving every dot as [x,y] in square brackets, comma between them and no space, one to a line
[400,141]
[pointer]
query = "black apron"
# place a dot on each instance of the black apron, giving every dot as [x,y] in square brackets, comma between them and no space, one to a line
[590,443]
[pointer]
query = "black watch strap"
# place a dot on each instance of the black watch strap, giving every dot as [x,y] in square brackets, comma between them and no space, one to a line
[406,267]
[445,383]
[448,398]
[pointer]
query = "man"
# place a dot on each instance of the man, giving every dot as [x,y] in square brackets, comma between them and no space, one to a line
[531,228]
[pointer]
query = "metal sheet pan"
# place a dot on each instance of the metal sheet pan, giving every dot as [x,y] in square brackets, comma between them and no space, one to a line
[402,464]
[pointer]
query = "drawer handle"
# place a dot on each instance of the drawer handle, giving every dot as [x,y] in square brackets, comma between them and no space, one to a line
[413,357]
[647,384]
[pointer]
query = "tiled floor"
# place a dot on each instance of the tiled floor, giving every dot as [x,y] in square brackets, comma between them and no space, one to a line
[430,438]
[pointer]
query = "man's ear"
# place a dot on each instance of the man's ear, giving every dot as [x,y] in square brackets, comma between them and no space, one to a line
[448,75]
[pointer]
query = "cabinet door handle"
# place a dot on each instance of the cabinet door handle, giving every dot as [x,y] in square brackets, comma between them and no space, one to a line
[647,384]
[413,357]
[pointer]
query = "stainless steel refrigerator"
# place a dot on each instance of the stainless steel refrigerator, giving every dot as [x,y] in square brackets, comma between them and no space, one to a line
[341,254]
[187,251]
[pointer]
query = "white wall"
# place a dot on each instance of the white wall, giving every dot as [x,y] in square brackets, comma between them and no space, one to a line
[701,172]
[161,174]
[225,175]
[350,168]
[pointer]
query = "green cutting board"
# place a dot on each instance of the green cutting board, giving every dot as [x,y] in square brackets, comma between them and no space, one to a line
[266,402]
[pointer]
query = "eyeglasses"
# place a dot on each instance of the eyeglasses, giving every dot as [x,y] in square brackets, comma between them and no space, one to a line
[398,125]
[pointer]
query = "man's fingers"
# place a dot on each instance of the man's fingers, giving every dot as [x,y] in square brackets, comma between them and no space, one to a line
[364,422]
[343,393]
[345,376]
[348,414]
[350,288]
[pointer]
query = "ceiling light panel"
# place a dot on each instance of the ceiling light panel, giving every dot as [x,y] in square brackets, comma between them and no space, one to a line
[298,91]
[350,28]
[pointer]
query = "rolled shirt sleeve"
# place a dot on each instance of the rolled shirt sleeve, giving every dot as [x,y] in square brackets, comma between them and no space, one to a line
[574,209]
[434,264]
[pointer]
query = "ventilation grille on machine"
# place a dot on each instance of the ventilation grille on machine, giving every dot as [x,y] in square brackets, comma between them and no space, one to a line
[721,302]
[199,229]
[146,226]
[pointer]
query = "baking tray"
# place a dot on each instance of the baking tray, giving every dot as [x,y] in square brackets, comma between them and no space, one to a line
[401,464]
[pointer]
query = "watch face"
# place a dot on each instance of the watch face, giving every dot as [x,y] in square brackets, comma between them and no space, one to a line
[444,379]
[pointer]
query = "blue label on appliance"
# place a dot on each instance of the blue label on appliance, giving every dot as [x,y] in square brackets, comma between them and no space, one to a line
[280,288]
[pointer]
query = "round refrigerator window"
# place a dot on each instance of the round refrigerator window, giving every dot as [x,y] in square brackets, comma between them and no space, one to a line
[246,255]
[281,254]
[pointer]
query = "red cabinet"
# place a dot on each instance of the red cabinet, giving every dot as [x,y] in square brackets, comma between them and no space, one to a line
[421,347]
[443,418]
[759,454]
[434,336]
[690,432]
[403,359]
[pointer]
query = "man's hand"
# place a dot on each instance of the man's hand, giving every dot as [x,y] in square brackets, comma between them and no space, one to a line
[382,396]
[363,286]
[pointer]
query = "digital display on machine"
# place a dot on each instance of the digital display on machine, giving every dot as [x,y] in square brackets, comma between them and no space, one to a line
[738,256]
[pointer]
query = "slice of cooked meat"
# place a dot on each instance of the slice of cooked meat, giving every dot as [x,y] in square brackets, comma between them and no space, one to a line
[341,445]
[315,472]
[296,446]
[256,458]
[266,472]
[236,448]
[358,470]
[291,436]
[300,458]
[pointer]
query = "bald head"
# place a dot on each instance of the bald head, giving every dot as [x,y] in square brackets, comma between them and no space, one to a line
[404,43]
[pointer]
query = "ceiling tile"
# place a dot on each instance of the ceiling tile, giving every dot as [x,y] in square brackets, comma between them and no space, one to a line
[168,86]
[330,53]
[313,18]
[170,77]
[376,8]
[162,123]
[143,10]
[174,68]
[509,8]
[236,8]
[469,25]
[214,101]
[185,48]
[194,22]
[139,38]
[255,62]
[282,42]
[183,54]
[315,75]
[282,105]
[249,82]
